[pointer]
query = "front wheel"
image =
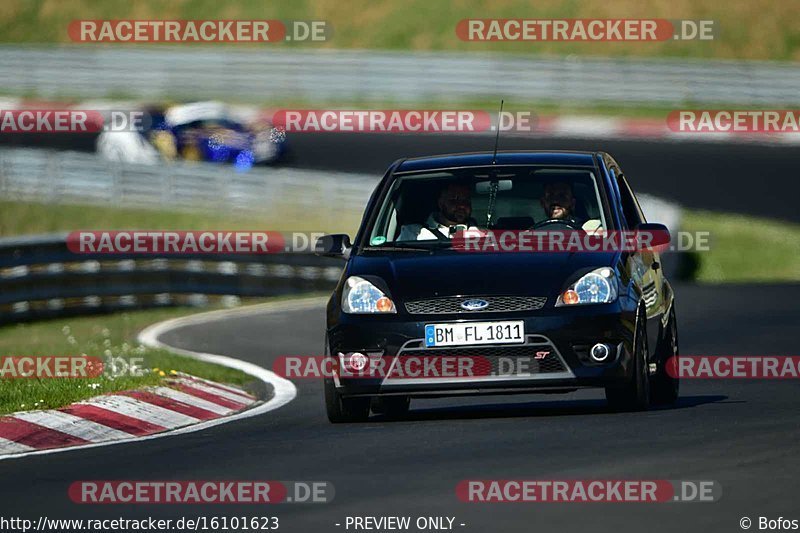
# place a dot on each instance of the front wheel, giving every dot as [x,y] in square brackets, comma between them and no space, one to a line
[635,394]
[341,409]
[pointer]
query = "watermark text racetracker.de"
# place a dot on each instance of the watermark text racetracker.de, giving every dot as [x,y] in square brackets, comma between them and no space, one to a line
[588,491]
[208,242]
[734,367]
[50,367]
[70,366]
[200,492]
[584,30]
[190,242]
[571,241]
[376,365]
[54,120]
[746,121]
[402,120]
[198,31]
[369,365]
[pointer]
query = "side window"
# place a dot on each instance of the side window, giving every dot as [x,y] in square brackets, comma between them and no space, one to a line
[630,207]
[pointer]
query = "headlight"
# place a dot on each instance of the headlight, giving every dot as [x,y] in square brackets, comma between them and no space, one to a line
[597,287]
[360,296]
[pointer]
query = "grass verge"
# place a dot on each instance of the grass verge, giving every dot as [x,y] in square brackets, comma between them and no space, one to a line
[745,248]
[745,29]
[31,218]
[101,336]
[539,108]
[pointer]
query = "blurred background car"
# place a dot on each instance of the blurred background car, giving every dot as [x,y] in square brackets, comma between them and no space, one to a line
[198,131]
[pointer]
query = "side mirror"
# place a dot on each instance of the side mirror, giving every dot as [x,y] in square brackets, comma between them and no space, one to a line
[654,236]
[337,245]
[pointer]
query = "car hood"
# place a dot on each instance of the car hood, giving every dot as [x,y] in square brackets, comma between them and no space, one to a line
[420,275]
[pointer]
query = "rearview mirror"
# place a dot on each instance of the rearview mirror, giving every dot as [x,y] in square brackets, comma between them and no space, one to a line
[336,245]
[482,187]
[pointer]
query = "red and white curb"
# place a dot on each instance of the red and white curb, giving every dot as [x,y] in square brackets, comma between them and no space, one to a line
[187,405]
[122,415]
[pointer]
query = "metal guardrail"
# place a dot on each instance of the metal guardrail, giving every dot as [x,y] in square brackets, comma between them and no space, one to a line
[261,74]
[41,278]
[84,178]
[75,177]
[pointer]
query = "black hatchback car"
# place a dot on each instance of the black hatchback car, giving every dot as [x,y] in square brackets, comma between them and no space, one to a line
[417,313]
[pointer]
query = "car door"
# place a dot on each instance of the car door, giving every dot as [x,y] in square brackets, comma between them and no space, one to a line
[646,262]
[643,265]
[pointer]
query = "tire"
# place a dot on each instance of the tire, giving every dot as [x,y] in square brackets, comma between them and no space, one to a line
[341,409]
[391,406]
[635,394]
[665,388]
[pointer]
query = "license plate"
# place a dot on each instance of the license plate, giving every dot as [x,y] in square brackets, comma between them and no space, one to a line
[474,333]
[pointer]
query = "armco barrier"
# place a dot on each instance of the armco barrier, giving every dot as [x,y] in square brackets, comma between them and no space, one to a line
[153,72]
[41,278]
[64,177]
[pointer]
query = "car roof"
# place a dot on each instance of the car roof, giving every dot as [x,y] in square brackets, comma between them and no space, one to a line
[186,113]
[505,157]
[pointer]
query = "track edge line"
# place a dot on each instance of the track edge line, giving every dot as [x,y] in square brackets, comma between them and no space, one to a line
[284,390]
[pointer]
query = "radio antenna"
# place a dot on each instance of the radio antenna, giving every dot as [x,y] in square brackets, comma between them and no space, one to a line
[497,136]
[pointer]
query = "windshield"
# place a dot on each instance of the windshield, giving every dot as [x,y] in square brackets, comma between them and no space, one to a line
[427,208]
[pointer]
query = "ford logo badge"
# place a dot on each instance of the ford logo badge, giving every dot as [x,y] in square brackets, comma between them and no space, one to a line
[474,305]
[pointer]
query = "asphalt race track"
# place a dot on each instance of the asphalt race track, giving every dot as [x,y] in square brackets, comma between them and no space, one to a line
[742,434]
[737,177]
[749,178]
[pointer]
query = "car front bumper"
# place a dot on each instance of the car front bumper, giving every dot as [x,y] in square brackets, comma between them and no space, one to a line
[564,335]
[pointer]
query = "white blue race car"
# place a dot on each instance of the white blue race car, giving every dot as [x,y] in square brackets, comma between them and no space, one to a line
[199,131]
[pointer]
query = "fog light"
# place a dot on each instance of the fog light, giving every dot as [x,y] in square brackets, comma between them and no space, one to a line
[599,352]
[357,361]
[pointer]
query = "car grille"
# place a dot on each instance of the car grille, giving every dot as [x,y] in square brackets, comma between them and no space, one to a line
[650,294]
[497,304]
[487,359]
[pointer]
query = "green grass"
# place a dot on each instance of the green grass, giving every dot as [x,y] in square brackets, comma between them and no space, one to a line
[537,108]
[747,29]
[30,218]
[745,248]
[101,336]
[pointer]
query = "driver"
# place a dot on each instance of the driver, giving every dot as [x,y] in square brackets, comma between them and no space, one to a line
[558,203]
[455,208]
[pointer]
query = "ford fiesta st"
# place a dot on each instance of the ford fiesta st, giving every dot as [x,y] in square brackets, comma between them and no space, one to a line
[418,314]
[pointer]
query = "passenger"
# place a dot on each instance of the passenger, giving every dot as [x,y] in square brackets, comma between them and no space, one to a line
[455,208]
